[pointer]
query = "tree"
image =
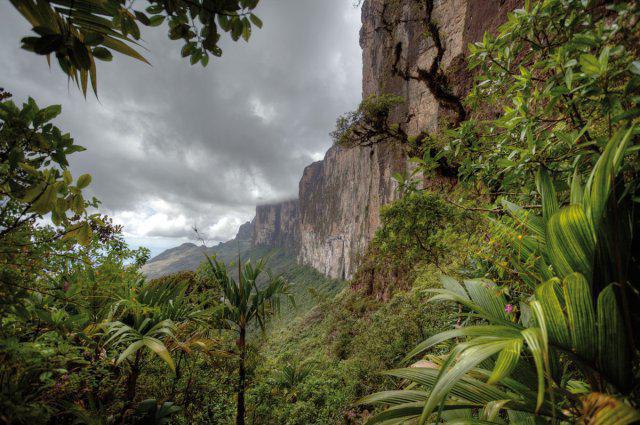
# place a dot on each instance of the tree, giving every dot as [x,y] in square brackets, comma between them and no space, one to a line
[153,317]
[246,302]
[80,31]
[370,123]
[34,177]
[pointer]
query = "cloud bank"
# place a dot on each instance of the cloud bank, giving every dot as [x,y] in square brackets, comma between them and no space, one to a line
[173,146]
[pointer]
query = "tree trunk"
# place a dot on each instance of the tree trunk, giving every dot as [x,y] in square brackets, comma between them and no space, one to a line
[241,378]
[176,377]
[133,380]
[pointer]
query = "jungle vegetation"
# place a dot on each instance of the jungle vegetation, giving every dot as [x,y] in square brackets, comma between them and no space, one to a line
[510,293]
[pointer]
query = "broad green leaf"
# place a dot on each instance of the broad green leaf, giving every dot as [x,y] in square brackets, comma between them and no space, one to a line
[397,414]
[529,220]
[394,397]
[44,202]
[571,241]
[487,296]
[246,30]
[613,352]
[507,361]
[130,350]
[160,349]
[535,342]
[581,315]
[258,22]
[577,191]
[466,331]
[557,329]
[83,181]
[68,178]
[467,360]
[466,388]
[453,285]
[84,234]
[492,410]
[590,65]
[156,20]
[102,54]
[547,192]
[598,187]
[47,114]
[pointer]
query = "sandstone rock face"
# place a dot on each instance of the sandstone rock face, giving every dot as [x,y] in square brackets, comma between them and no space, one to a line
[398,26]
[340,200]
[278,225]
[245,232]
[341,196]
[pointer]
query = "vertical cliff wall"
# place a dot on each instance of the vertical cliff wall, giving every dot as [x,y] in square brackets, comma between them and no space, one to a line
[341,196]
[340,200]
[278,225]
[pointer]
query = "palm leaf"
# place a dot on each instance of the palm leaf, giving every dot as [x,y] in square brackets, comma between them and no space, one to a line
[580,315]
[613,350]
[160,349]
[547,192]
[558,331]
[571,242]
[468,359]
[598,187]
[394,397]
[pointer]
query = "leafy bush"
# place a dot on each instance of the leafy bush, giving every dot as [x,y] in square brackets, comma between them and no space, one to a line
[370,123]
[557,342]
[419,228]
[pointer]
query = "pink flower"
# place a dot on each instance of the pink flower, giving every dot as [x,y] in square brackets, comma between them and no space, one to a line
[508,308]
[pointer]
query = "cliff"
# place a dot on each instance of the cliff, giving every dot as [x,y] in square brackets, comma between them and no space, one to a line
[341,196]
[245,232]
[340,200]
[278,225]
[410,48]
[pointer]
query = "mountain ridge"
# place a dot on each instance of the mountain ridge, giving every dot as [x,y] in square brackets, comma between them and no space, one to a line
[188,256]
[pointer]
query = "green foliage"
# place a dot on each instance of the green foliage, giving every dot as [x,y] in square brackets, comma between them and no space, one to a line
[419,228]
[245,303]
[348,339]
[539,324]
[79,32]
[560,77]
[50,341]
[34,175]
[556,342]
[370,123]
[561,320]
[149,412]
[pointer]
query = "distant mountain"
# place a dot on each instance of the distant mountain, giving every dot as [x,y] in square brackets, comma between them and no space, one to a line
[188,256]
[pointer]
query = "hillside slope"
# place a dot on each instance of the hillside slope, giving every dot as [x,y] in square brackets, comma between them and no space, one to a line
[188,256]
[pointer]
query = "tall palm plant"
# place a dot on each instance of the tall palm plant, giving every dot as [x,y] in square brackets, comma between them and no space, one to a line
[152,317]
[577,325]
[249,300]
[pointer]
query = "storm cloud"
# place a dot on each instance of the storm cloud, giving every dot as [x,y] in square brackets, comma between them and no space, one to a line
[171,145]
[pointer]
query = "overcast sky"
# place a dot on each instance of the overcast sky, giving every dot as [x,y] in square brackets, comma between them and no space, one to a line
[172,145]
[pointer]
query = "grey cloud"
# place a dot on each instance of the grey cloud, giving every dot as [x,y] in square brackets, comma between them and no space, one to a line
[189,135]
